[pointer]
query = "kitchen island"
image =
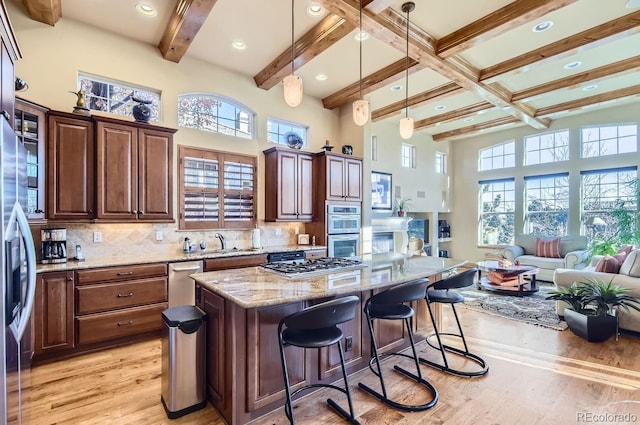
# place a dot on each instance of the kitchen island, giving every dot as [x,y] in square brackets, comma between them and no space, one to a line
[244,307]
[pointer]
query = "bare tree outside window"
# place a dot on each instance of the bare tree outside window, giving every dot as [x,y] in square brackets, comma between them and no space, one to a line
[497,217]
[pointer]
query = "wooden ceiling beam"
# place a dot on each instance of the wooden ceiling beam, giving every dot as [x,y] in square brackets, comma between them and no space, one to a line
[620,67]
[318,39]
[579,103]
[46,11]
[377,6]
[473,129]
[390,27]
[185,22]
[511,16]
[467,111]
[370,83]
[593,37]
[439,92]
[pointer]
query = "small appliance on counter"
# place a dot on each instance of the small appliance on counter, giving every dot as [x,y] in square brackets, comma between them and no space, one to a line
[54,245]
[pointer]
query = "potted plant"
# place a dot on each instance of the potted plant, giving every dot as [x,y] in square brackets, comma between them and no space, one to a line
[593,304]
[401,206]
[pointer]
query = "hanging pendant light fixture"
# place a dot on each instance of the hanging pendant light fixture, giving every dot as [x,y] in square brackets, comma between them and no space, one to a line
[292,83]
[406,123]
[360,106]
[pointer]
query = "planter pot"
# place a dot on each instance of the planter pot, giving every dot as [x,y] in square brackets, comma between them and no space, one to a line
[591,328]
[400,213]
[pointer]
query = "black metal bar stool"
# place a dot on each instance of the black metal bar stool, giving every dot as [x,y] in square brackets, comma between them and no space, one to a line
[438,292]
[389,305]
[315,327]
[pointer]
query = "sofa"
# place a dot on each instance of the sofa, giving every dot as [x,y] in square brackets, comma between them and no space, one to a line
[573,254]
[628,277]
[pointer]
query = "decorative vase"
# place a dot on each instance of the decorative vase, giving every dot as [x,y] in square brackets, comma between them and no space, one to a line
[400,213]
[141,111]
[591,328]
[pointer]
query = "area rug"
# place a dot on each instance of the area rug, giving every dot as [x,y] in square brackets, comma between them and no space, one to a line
[534,309]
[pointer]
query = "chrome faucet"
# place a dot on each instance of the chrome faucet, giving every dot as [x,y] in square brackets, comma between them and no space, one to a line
[219,236]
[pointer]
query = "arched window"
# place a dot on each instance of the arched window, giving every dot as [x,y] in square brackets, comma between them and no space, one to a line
[216,114]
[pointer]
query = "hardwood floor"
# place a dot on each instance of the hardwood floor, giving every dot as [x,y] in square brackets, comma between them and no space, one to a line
[537,376]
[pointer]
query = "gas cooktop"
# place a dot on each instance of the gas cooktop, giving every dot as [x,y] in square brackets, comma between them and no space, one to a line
[312,267]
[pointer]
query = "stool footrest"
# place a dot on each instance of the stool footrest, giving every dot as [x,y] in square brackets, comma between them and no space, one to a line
[401,406]
[342,412]
[445,368]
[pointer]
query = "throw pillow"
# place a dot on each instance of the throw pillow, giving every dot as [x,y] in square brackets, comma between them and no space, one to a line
[631,265]
[626,249]
[549,249]
[608,264]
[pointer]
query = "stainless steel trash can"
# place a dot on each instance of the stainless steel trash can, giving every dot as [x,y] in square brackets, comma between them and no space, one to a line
[183,364]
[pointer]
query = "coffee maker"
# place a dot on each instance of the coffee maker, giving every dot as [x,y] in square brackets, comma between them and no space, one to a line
[54,245]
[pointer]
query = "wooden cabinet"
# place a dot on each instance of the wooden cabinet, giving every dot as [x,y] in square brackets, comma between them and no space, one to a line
[117,302]
[29,124]
[288,185]
[238,262]
[134,172]
[338,177]
[70,167]
[53,313]
[9,54]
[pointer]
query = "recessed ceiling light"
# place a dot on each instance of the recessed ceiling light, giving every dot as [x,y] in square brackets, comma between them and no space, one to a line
[440,108]
[590,87]
[239,45]
[321,76]
[468,119]
[146,9]
[572,65]
[397,87]
[315,10]
[542,26]
[361,36]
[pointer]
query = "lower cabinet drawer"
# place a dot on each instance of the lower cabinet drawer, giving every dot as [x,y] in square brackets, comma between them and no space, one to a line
[110,296]
[127,322]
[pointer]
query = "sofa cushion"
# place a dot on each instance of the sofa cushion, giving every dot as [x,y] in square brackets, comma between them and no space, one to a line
[567,243]
[631,264]
[626,249]
[548,248]
[608,264]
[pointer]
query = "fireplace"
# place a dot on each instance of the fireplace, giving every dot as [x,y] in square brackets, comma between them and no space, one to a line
[390,235]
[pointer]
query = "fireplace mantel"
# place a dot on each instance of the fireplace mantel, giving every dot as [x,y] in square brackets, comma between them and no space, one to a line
[398,226]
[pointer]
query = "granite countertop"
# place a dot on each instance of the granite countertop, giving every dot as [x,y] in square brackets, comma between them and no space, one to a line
[169,257]
[254,287]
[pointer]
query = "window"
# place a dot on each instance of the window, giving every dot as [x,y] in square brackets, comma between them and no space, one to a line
[441,163]
[276,129]
[408,156]
[116,97]
[215,114]
[498,156]
[497,205]
[610,140]
[546,148]
[217,189]
[547,204]
[612,197]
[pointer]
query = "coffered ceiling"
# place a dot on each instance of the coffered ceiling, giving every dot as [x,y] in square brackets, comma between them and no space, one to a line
[474,65]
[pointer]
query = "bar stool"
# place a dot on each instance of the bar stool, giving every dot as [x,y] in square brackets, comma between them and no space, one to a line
[438,292]
[315,327]
[389,305]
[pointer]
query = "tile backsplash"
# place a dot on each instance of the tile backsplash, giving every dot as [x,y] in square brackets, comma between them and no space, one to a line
[129,239]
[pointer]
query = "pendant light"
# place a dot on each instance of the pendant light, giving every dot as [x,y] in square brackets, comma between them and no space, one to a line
[406,123]
[360,106]
[292,83]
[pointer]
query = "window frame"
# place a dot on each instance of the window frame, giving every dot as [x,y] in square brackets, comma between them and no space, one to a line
[441,163]
[219,100]
[506,204]
[408,153]
[554,152]
[292,126]
[599,141]
[223,220]
[138,91]
[546,228]
[494,155]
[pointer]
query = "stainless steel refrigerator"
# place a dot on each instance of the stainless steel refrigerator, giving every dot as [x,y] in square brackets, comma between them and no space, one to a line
[18,258]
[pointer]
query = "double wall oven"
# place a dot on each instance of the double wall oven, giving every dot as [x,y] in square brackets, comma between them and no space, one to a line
[343,230]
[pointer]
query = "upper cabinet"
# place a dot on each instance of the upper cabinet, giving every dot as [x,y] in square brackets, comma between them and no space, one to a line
[9,54]
[70,167]
[134,171]
[29,125]
[288,185]
[339,177]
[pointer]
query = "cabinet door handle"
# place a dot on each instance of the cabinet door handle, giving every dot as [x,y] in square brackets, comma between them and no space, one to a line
[124,273]
[140,212]
[130,322]
[130,294]
[69,279]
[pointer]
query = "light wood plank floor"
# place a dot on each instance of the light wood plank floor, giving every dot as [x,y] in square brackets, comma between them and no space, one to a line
[537,377]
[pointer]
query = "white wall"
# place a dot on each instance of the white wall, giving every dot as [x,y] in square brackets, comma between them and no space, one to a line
[464,153]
